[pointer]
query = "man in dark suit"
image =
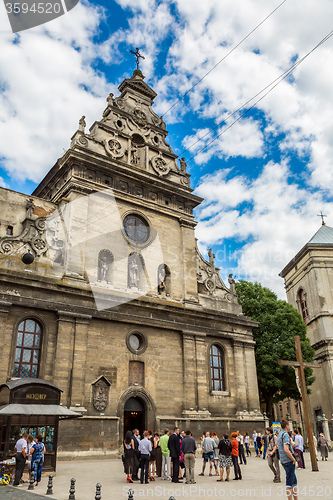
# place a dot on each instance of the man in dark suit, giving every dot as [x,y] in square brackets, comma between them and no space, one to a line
[136,442]
[174,447]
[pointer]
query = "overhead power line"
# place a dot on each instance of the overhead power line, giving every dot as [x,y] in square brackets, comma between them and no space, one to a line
[270,86]
[223,58]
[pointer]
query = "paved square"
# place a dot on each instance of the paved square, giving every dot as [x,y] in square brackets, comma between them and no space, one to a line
[257,482]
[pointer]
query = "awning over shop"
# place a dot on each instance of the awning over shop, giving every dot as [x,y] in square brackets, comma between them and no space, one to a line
[38,410]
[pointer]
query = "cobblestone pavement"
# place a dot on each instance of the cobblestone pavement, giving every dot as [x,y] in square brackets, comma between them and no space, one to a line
[257,483]
[11,493]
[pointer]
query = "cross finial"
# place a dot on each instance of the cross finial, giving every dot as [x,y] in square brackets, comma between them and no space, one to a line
[138,56]
[322,218]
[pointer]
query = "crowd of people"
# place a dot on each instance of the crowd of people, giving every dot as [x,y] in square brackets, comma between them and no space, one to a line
[172,456]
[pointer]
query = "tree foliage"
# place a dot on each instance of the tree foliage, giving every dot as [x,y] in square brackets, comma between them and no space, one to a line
[278,322]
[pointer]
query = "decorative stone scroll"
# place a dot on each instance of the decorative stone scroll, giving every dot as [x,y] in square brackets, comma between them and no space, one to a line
[31,238]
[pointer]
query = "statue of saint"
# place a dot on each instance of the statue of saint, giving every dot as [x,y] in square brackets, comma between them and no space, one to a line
[161,280]
[162,124]
[82,124]
[30,208]
[232,284]
[211,258]
[183,165]
[134,274]
[135,156]
[110,99]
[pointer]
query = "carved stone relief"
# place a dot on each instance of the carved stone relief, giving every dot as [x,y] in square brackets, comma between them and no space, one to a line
[101,389]
[160,165]
[114,148]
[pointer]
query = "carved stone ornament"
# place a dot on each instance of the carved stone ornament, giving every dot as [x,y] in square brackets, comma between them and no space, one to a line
[114,147]
[32,237]
[140,117]
[160,165]
[101,389]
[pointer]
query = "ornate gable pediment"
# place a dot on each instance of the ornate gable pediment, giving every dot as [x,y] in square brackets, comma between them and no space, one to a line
[212,291]
[137,84]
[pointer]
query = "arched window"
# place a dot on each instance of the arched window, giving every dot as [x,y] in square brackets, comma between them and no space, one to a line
[163,280]
[27,353]
[216,368]
[303,306]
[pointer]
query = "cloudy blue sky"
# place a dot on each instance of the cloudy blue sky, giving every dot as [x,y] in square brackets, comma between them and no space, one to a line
[264,180]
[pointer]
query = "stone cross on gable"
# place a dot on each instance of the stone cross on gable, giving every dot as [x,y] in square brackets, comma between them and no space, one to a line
[300,365]
[138,56]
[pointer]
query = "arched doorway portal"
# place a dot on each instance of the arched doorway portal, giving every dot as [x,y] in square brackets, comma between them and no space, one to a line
[134,415]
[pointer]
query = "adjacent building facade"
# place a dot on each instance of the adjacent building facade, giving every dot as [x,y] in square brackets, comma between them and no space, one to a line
[309,285]
[105,294]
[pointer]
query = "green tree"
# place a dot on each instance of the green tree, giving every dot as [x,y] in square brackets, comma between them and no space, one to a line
[278,322]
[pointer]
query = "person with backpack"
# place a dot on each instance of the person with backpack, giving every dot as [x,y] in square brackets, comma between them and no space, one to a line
[273,455]
[288,460]
[225,459]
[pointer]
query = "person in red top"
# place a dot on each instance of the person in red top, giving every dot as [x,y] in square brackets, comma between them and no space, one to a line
[234,456]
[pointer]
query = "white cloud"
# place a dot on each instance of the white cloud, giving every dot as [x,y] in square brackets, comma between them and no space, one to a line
[278,219]
[48,84]
[48,80]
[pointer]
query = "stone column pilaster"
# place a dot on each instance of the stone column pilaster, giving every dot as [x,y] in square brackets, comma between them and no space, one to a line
[5,341]
[241,379]
[79,359]
[189,261]
[251,375]
[64,354]
[189,371]
[202,367]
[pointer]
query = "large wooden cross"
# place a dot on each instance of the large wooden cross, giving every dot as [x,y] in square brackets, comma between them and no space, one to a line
[300,365]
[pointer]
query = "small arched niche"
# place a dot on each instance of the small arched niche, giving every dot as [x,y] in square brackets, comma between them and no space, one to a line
[164,280]
[105,268]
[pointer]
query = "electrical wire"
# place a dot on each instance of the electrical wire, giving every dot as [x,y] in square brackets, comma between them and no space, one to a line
[271,87]
[223,58]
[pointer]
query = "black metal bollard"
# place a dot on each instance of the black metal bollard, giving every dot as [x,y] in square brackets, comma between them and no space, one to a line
[72,490]
[49,490]
[98,494]
[130,494]
[172,498]
[32,481]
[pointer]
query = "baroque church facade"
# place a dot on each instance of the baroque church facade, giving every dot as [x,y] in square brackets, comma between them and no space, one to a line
[104,292]
[308,281]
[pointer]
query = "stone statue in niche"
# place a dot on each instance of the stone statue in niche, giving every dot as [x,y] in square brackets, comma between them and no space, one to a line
[105,259]
[232,284]
[104,267]
[82,124]
[135,159]
[101,394]
[134,273]
[161,279]
[30,207]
